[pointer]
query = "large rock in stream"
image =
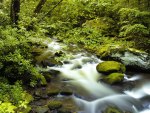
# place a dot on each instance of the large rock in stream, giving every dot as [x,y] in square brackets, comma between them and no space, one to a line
[112,70]
[133,59]
[108,67]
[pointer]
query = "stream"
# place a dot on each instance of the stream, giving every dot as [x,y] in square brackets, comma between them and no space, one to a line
[91,94]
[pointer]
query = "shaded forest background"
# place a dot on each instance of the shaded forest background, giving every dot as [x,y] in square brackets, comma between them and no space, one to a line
[99,26]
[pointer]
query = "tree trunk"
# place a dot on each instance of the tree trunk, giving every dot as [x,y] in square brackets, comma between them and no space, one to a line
[148,4]
[139,3]
[50,11]
[39,6]
[15,9]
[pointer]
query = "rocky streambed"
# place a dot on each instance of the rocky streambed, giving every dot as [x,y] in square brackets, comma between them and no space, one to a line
[82,83]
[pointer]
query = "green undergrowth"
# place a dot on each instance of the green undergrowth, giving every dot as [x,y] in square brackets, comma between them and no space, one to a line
[101,25]
[17,61]
[13,99]
[93,41]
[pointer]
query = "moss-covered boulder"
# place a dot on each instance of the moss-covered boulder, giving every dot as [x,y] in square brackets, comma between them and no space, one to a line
[66,91]
[113,78]
[40,94]
[42,109]
[133,59]
[108,67]
[69,106]
[53,91]
[55,104]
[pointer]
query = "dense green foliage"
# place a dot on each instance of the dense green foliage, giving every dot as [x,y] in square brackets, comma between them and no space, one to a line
[16,58]
[99,26]
[96,23]
[13,98]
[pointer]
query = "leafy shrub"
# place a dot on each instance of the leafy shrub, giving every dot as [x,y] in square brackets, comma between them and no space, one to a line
[4,12]
[17,60]
[7,107]
[13,97]
[136,30]
[129,16]
[134,16]
[104,25]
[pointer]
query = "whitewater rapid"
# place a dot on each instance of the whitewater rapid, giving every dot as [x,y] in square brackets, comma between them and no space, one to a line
[94,96]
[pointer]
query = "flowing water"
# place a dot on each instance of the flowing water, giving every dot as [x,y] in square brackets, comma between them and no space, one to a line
[94,96]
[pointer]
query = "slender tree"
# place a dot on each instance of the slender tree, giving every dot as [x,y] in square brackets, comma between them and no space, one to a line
[39,6]
[148,4]
[50,11]
[14,12]
[139,3]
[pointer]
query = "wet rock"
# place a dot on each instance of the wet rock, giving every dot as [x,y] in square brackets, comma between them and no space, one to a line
[44,56]
[46,63]
[114,78]
[47,59]
[59,54]
[54,72]
[41,109]
[69,106]
[40,94]
[87,60]
[64,110]
[66,92]
[38,48]
[133,59]
[108,67]
[53,91]
[77,67]
[112,110]
[54,104]
[66,62]
[50,62]
[37,51]
[40,102]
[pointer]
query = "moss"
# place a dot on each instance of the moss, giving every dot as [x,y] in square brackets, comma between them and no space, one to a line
[108,67]
[37,51]
[43,56]
[112,110]
[103,51]
[28,97]
[55,104]
[114,78]
[108,47]
[64,110]
[43,81]
[66,91]
[69,106]
[55,62]
[42,109]
[53,92]
[135,51]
